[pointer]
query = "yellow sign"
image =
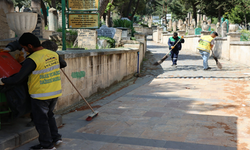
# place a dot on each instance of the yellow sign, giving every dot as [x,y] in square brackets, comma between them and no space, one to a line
[83,20]
[83,4]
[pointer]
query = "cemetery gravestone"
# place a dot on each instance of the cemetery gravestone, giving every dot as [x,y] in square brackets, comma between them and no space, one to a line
[197,31]
[224,29]
[87,38]
[106,31]
[174,26]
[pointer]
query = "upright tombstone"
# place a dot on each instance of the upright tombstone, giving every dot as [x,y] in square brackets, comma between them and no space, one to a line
[204,18]
[213,26]
[53,21]
[174,26]
[227,25]
[106,31]
[197,31]
[218,29]
[191,30]
[224,29]
[180,22]
[170,25]
[16,9]
[87,38]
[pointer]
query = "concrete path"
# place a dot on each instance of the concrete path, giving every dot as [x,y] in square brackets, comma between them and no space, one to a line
[183,108]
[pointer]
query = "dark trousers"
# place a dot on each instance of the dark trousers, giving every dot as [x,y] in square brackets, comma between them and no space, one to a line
[43,116]
[174,56]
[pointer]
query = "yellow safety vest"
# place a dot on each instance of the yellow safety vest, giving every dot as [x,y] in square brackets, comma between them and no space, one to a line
[45,81]
[205,43]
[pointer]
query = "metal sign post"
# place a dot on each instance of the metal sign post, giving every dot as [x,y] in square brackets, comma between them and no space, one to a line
[79,17]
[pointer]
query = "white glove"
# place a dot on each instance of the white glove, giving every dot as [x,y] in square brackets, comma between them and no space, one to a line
[1,83]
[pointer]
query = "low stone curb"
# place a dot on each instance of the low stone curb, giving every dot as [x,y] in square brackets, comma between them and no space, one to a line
[20,138]
[208,78]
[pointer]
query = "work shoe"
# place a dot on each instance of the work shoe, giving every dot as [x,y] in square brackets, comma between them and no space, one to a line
[208,68]
[58,142]
[42,148]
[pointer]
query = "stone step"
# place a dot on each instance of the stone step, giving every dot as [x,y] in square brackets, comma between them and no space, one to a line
[17,134]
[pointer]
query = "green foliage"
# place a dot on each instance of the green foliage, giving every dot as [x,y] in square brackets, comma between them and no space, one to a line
[46,28]
[111,41]
[71,31]
[133,38]
[71,45]
[245,35]
[214,20]
[240,12]
[122,23]
[144,25]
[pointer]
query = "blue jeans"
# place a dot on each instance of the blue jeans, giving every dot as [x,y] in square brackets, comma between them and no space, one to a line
[205,56]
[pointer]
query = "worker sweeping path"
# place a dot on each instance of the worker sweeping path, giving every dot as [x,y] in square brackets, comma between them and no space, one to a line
[206,44]
[42,68]
[175,46]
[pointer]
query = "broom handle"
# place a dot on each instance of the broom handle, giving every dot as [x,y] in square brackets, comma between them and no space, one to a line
[177,42]
[77,90]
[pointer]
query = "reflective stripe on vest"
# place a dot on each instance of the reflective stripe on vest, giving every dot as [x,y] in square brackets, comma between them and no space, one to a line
[45,81]
[46,94]
[205,43]
[46,70]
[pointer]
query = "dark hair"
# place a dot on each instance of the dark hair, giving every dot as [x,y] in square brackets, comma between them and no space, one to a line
[50,45]
[29,38]
[175,34]
[215,33]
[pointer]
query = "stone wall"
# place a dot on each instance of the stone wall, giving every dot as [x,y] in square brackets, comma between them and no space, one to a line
[240,52]
[144,30]
[94,70]
[5,31]
[221,48]
[228,48]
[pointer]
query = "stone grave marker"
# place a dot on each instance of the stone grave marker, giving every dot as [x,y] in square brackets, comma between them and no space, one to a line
[118,36]
[106,31]
[87,38]
[174,26]
[219,31]
[197,31]
[224,29]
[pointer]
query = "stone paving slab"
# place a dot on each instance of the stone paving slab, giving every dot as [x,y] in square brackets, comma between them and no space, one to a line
[169,113]
[191,65]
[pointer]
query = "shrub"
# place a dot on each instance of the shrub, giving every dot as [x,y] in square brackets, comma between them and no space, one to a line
[109,40]
[245,35]
[71,31]
[122,23]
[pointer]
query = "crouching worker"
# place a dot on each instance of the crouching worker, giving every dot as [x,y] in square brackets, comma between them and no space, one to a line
[42,67]
[175,49]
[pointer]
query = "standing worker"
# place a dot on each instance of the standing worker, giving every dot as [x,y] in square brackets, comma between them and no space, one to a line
[206,44]
[175,49]
[42,67]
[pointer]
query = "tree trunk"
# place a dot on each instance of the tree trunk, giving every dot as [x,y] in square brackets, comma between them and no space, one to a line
[44,13]
[108,22]
[245,20]
[195,14]
[103,5]
[129,7]
[219,15]
[138,1]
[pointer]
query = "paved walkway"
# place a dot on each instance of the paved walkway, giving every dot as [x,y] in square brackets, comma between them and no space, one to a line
[168,113]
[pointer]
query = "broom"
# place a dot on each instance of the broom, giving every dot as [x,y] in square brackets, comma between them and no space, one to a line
[94,113]
[217,61]
[166,56]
